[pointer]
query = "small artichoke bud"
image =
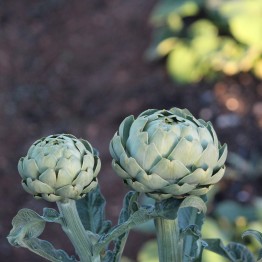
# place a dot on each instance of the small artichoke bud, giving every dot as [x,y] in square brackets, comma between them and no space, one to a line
[168,153]
[59,167]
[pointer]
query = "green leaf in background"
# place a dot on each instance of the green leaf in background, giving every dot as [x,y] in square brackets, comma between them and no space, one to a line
[91,210]
[202,27]
[148,252]
[235,252]
[245,20]
[231,210]
[203,38]
[247,29]
[183,64]
[168,7]
[200,31]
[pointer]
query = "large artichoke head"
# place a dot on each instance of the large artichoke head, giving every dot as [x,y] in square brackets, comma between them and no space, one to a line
[59,167]
[168,153]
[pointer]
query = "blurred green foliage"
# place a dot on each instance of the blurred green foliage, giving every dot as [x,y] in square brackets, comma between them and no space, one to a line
[203,38]
[228,222]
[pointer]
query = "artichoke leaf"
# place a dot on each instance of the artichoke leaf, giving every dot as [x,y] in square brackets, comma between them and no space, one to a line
[200,191]
[117,147]
[152,181]
[222,156]
[48,177]
[39,187]
[119,170]
[199,176]
[205,136]
[162,140]
[63,178]
[209,126]
[169,170]
[214,178]
[111,148]
[208,158]
[232,251]
[177,190]
[29,168]
[130,165]
[68,191]
[138,125]
[90,187]
[84,178]
[189,133]
[124,128]
[151,157]
[44,162]
[137,186]
[88,161]
[136,145]
[186,152]
[49,197]
[97,166]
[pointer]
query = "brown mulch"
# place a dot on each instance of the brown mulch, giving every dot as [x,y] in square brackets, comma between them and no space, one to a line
[78,67]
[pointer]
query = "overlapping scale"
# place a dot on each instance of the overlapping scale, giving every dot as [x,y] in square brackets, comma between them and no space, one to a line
[168,153]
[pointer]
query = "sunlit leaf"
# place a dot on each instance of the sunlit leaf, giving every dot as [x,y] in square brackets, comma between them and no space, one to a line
[183,64]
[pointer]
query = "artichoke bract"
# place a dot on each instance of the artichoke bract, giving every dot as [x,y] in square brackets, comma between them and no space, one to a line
[168,153]
[59,167]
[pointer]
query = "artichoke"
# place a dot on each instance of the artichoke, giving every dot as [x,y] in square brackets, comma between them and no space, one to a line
[59,167]
[168,153]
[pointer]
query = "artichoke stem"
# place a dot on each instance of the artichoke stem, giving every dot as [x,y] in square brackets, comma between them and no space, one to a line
[75,231]
[169,243]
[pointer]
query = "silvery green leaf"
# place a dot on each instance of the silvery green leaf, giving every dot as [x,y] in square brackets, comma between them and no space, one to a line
[190,217]
[193,245]
[129,207]
[235,252]
[91,210]
[51,215]
[196,202]
[130,216]
[191,213]
[26,224]
[45,249]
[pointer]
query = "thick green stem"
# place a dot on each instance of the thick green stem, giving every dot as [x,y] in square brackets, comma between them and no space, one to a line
[74,229]
[169,244]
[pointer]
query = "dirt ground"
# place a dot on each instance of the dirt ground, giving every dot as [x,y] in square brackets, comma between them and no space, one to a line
[78,67]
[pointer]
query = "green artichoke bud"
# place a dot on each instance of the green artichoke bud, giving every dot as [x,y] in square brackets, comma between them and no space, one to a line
[168,153]
[59,167]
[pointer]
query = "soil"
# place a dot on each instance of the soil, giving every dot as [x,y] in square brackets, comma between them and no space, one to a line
[79,67]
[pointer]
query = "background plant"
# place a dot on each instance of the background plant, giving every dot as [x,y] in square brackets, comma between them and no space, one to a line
[204,38]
